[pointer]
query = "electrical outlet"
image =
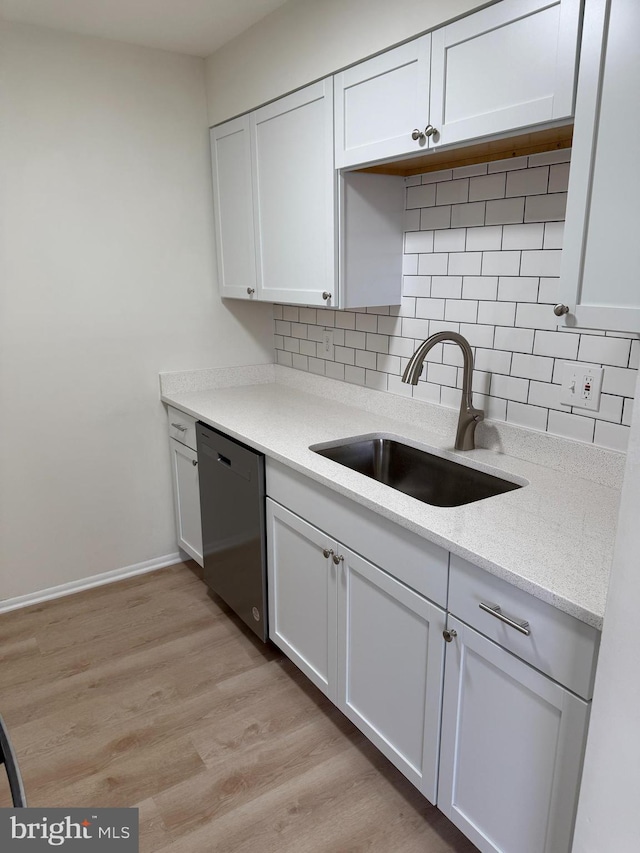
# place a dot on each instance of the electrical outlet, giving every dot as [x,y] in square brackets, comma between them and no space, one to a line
[327,343]
[581,385]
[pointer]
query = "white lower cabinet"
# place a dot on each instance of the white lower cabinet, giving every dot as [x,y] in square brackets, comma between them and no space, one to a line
[484,708]
[370,643]
[390,664]
[511,752]
[186,482]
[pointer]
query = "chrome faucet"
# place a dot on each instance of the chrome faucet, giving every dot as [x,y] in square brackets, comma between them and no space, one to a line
[469,415]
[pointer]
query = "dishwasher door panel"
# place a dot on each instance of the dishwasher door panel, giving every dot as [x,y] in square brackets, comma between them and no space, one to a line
[232,500]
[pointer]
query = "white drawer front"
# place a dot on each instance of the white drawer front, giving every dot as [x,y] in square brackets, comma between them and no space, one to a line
[182,427]
[557,644]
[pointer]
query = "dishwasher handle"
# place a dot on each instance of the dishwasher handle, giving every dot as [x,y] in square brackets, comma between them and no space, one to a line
[230,464]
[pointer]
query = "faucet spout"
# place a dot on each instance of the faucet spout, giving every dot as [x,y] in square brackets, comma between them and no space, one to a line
[469,415]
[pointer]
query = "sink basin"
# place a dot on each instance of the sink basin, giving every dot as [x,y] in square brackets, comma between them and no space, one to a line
[425,476]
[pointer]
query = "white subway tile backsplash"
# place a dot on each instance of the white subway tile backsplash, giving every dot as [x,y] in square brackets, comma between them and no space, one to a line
[430,309]
[418,242]
[571,426]
[480,287]
[543,263]
[467,215]
[613,436]
[559,178]
[484,238]
[446,287]
[465,263]
[509,388]
[453,192]
[524,415]
[435,217]
[500,263]
[487,187]
[434,264]
[536,367]
[548,157]
[508,165]
[528,236]
[619,380]
[541,208]
[482,251]
[528,182]
[517,289]
[603,350]
[450,240]
[505,211]
[497,313]
[555,345]
[421,196]
[514,340]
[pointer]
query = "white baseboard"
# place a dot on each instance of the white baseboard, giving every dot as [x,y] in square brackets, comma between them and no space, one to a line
[87,583]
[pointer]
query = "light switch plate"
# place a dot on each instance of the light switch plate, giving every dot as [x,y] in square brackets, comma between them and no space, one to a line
[581,385]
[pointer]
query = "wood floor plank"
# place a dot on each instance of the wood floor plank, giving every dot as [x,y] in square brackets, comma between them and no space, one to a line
[148,692]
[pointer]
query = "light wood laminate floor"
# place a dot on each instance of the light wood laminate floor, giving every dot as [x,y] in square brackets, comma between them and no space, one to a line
[148,693]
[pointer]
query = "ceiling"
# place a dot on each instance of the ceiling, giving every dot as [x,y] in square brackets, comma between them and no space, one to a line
[196,27]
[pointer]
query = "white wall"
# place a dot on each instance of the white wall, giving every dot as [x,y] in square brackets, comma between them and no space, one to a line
[305,40]
[107,276]
[608,810]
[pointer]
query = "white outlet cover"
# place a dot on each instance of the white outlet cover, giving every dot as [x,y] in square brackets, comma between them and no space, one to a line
[581,385]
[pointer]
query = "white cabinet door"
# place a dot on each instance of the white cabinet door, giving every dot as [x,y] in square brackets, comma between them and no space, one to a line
[508,66]
[511,751]
[302,595]
[380,102]
[186,494]
[233,208]
[295,197]
[390,664]
[601,252]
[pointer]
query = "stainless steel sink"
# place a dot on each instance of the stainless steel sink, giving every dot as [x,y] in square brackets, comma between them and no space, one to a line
[425,476]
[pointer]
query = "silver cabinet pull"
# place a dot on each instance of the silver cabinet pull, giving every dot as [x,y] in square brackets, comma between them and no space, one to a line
[180,427]
[194,462]
[418,135]
[430,130]
[495,610]
[560,309]
[326,553]
[337,559]
[326,295]
[449,634]
[251,291]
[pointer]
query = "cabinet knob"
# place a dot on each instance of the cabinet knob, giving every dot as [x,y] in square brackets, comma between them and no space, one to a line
[449,635]
[430,130]
[251,291]
[326,295]
[326,553]
[560,309]
[338,559]
[194,462]
[418,135]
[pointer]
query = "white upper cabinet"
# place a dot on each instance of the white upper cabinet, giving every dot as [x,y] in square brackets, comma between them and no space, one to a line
[381,102]
[233,208]
[601,253]
[509,66]
[294,187]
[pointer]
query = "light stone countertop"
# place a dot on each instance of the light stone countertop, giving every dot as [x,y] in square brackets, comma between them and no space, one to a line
[552,538]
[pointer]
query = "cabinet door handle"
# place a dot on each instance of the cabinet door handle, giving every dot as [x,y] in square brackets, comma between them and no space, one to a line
[194,462]
[326,295]
[326,553]
[251,291]
[430,130]
[560,309]
[449,634]
[495,610]
[180,427]
[337,559]
[418,135]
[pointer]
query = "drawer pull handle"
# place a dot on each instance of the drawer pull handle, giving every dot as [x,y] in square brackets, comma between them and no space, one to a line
[181,427]
[495,610]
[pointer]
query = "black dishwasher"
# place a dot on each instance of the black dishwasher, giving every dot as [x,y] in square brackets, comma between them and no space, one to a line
[232,502]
